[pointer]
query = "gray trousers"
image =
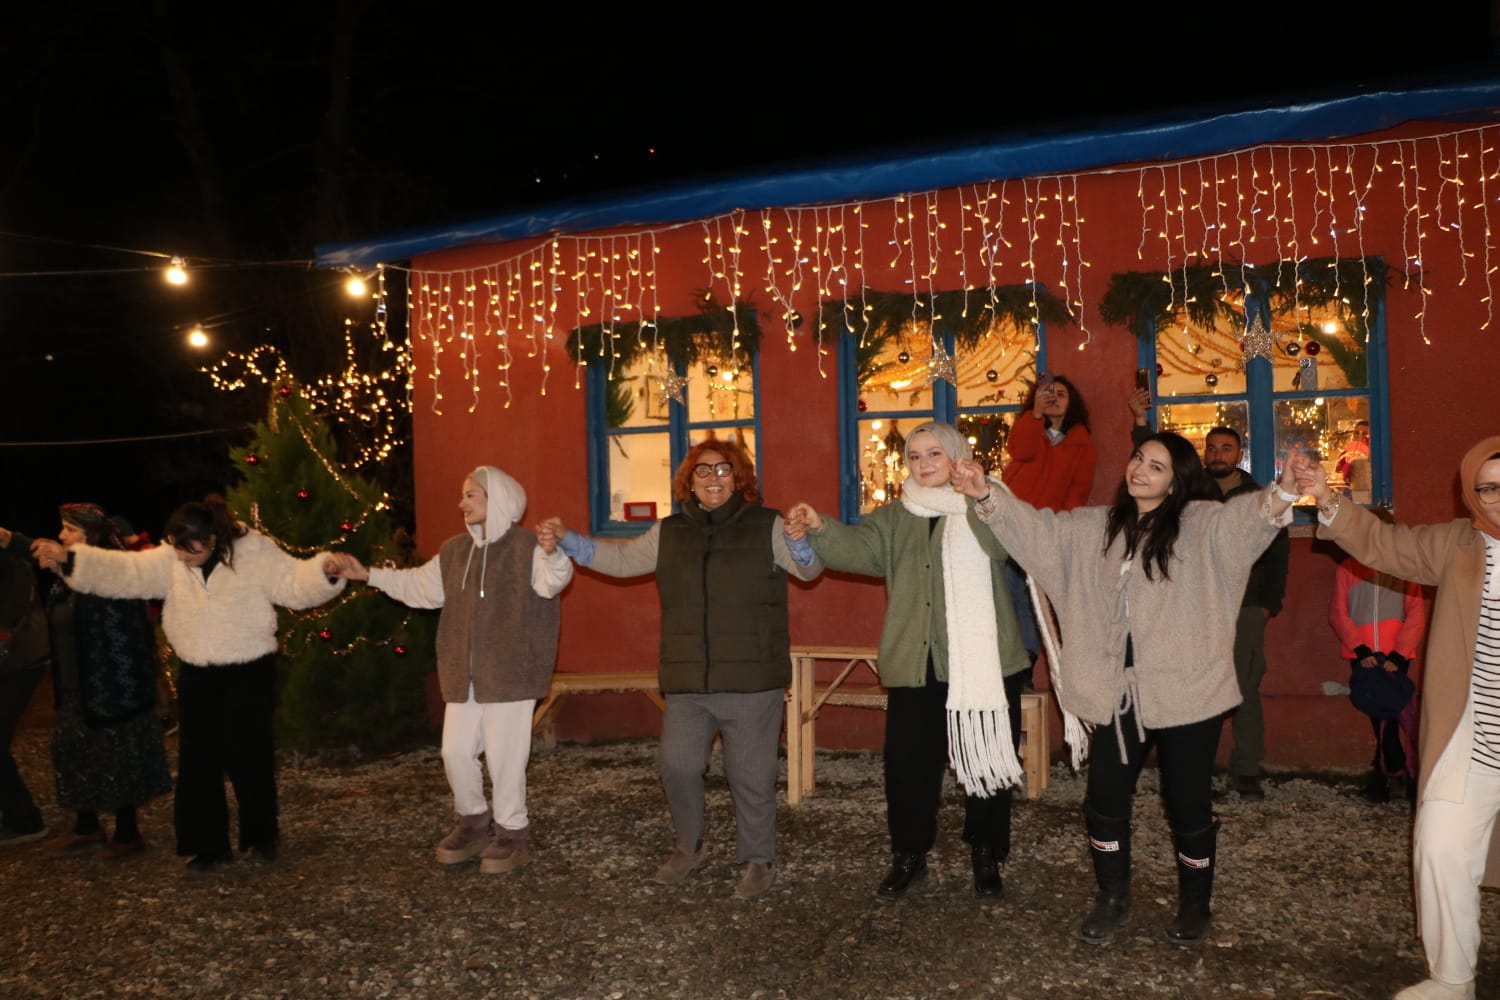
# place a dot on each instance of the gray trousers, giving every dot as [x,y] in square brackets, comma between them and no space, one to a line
[1247,724]
[750,725]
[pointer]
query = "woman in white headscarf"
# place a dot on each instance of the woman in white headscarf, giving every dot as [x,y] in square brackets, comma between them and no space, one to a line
[951,658]
[496,646]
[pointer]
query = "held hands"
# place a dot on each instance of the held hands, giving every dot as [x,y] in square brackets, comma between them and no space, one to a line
[345,567]
[49,554]
[550,532]
[969,479]
[1310,477]
[801,519]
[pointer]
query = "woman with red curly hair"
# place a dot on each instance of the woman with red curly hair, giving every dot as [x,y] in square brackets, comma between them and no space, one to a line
[721,566]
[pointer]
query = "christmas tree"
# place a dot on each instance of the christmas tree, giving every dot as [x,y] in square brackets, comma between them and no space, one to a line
[354,670]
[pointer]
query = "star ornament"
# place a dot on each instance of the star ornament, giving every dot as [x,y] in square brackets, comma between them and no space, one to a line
[673,386]
[1258,341]
[942,366]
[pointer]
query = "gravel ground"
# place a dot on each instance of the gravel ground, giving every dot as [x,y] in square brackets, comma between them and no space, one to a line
[1312,899]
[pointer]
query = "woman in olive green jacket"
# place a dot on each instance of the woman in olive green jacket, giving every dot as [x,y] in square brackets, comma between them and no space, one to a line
[950,658]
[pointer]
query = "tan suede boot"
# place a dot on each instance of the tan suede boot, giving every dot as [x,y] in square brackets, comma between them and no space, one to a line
[469,836]
[506,852]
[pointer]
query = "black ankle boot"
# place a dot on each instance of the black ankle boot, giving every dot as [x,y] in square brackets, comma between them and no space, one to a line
[987,881]
[905,869]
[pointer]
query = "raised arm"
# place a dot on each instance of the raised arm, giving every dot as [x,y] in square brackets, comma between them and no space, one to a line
[1416,553]
[417,587]
[109,573]
[624,558]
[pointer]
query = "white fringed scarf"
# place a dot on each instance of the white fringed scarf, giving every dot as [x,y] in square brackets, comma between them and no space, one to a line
[979,738]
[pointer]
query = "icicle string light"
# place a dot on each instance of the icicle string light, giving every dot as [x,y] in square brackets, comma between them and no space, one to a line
[1257,204]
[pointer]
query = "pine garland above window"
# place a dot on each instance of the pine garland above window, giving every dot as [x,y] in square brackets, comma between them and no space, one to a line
[711,334]
[1144,301]
[970,315]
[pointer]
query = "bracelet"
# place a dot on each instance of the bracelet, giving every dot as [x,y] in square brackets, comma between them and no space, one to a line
[985,498]
[1326,511]
[1283,494]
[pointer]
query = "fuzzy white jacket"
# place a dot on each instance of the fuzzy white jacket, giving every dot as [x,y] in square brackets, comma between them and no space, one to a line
[231,617]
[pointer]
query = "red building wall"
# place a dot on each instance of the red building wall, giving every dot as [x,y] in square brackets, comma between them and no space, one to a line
[1069,233]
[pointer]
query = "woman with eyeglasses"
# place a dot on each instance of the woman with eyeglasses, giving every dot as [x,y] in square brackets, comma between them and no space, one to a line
[1454,850]
[721,567]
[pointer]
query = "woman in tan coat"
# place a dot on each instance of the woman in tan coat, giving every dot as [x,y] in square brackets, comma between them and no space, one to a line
[1453,850]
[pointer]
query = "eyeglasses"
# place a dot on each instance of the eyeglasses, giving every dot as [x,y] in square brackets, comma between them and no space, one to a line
[721,469]
[1488,492]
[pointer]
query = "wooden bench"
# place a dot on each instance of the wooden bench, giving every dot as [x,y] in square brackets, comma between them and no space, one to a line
[566,684]
[806,698]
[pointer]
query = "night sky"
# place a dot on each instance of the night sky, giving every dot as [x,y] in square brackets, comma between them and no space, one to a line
[251,134]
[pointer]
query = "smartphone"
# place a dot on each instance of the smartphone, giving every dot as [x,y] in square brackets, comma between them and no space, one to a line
[1143,379]
[1044,381]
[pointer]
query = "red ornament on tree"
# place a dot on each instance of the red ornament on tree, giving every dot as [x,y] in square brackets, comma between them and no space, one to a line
[863,406]
[303,494]
[346,527]
[1313,347]
[252,459]
[283,391]
[325,635]
[400,650]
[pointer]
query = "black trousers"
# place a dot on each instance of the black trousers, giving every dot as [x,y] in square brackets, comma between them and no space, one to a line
[1185,756]
[18,811]
[916,757]
[226,730]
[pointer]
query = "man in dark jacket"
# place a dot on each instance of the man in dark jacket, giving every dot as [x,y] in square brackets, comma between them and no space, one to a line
[1262,602]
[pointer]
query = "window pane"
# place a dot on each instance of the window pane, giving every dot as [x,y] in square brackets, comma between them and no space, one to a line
[887,383]
[640,473]
[987,433]
[726,392]
[990,373]
[1336,360]
[1194,420]
[633,396]
[882,460]
[1196,361]
[1336,430]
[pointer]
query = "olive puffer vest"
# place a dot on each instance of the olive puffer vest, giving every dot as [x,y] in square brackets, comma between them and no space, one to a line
[723,601]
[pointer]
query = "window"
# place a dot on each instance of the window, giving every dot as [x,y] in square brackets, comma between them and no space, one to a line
[1290,356]
[889,378]
[638,432]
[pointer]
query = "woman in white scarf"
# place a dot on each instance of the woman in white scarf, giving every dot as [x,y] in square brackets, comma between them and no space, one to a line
[950,658]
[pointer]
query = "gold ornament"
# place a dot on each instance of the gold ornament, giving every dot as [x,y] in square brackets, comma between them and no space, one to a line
[1258,340]
[942,365]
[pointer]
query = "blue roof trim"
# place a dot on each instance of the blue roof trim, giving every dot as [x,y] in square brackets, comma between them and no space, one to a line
[1115,142]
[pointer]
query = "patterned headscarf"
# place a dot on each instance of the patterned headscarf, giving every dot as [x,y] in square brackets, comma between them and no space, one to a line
[95,524]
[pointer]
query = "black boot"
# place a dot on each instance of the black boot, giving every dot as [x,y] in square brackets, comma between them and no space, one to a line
[987,881]
[1109,845]
[1195,885]
[905,869]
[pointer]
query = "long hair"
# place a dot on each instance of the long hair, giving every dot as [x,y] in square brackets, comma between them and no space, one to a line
[744,469]
[203,522]
[1077,413]
[1155,533]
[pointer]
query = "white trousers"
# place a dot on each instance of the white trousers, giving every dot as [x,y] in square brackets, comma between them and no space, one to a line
[1449,849]
[502,732]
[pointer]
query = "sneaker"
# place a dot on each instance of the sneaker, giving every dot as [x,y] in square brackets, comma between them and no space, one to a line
[207,864]
[261,854]
[679,865]
[506,852]
[1249,789]
[69,843]
[759,876]
[470,835]
[118,850]
[15,838]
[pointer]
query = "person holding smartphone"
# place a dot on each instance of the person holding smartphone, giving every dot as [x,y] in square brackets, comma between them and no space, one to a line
[1050,458]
